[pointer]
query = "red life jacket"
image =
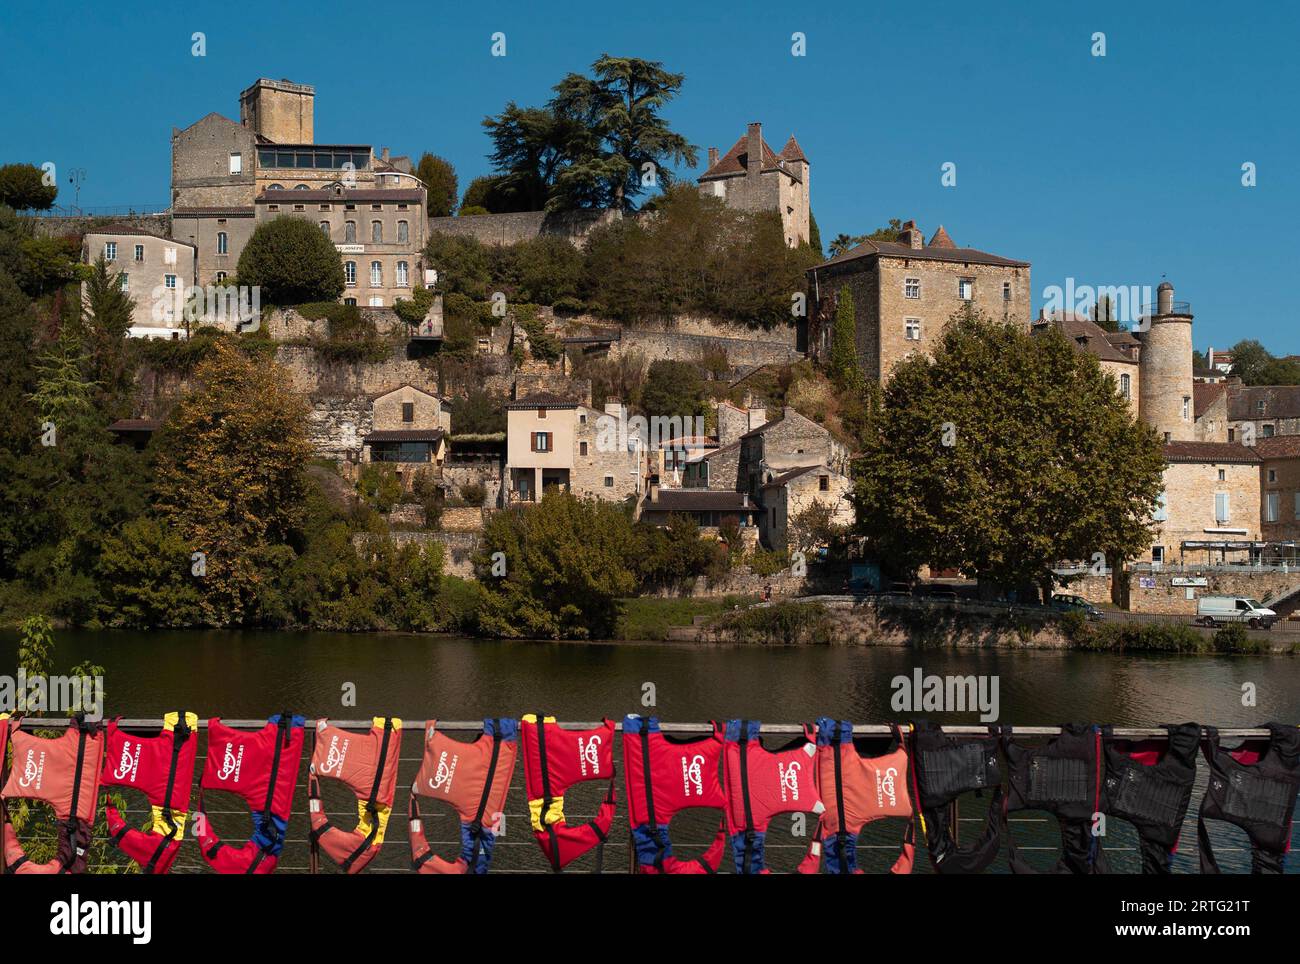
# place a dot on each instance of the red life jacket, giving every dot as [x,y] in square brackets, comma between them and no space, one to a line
[64,773]
[162,768]
[762,783]
[857,790]
[664,775]
[367,763]
[473,778]
[261,767]
[554,760]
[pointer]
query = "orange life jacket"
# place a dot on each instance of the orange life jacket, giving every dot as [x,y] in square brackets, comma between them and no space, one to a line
[367,763]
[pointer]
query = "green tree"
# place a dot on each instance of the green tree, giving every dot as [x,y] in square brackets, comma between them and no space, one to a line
[845,368]
[673,388]
[230,477]
[439,177]
[106,319]
[23,187]
[144,573]
[292,262]
[567,562]
[814,235]
[1004,455]
[485,196]
[624,136]
[529,149]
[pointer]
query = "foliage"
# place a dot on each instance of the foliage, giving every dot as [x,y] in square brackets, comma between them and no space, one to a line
[106,321]
[462,265]
[439,177]
[786,623]
[1256,365]
[673,557]
[380,486]
[673,388]
[845,242]
[542,345]
[845,368]
[767,562]
[412,310]
[23,187]
[1046,462]
[144,572]
[814,526]
[480,413]
[292,262]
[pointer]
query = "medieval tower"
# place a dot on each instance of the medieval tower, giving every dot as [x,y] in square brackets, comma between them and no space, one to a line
[279,110]
[1165,369]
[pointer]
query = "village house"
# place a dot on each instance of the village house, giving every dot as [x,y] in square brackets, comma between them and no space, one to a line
[792,493]
[905,291]
[409,428]
[1279,468]
[753,177]
[156,272]
[710,509]
[557,441]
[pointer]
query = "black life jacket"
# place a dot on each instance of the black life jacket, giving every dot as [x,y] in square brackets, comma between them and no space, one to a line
[1254,787]
[943,768]
[1063,778]
[1149,784]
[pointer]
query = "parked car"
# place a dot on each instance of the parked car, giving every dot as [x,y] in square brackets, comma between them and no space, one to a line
[1217,610]
[1067,603]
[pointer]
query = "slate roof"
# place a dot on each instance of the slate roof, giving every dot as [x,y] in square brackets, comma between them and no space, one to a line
[406,435]
[893,249]
[541,400]
[1199,452]
[699,500]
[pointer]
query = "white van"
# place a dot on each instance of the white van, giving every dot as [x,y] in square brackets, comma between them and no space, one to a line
[1216,610]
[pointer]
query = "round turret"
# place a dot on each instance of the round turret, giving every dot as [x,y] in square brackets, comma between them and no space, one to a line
[1165,369]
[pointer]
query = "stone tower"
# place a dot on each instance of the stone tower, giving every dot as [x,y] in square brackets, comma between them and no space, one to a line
[1165,369]
[279,110]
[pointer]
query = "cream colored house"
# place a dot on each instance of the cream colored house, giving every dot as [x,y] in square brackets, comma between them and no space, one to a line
[556,441]
[157,273]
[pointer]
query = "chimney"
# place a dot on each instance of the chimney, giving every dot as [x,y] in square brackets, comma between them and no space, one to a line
[713,156]
[754,149]
[613,406]
[654,488]
[383,154]
[757,418]
[911,236]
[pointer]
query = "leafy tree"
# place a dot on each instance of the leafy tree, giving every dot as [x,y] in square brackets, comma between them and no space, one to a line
[230,477]
[292,262]
[144,571]
[485,195]
[461,263]
[439,178]
[1046,463]
[814,235]
[673,388]
[845,367]
[529,149]
[622,131]
[23,187]
[567,563]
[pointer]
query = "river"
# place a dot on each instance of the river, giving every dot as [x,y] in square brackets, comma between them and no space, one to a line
[253,674]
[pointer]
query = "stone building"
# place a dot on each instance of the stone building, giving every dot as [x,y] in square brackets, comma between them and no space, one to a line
[408,427]
[793,492]
[789,442]
[1262,411]
[379,234]
[709,509]
[905,292]
[1121,363]
[1279,471]
[552,440]
[157,273]
[1211,498]
[753,177]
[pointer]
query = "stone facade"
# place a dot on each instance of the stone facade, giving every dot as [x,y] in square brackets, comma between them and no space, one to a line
[218,256]
[1211,493]
[278,110]
[786,496]
[156,272]
[1167,395]
[1279,474]
[213,164]
[753,177]
[789,442]
[905,292]
[552,440]
[1155,592]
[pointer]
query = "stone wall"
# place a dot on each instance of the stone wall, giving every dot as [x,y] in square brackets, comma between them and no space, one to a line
[56,227]
[1190,500]
[458,548]
[573,226]
[1164,597]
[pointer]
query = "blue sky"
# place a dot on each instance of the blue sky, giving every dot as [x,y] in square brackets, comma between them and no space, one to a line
[1115,170]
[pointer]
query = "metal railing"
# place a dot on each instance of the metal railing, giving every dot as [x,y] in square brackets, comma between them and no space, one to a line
[110,211]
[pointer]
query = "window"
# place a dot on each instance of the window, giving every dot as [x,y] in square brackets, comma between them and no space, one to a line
[299,207]
[912,329]
[1162,508]
[824,483]
[170,281]
[223,243]
[541,412]
[1221,513]
[1297,505]
[541,441]
[1126,386]
[403,279]
[582,448]
[1266,431]
[1157,554]
[350,272]
[1221,475]
[403,231]
[110,250]
[1272,506]
[401,207]
[139,252]
[236,162]
[376,232]
[1232,435]
[125,283]
[1187,408]
[350,232]
[376,207]
[966,288]
[273,207]
[1169,437]
[300,187]
[325,228]
[1259,406]
[376,274]
[408,411]
[221,276]
[911,288]
[325,207]
[275,187]
[609,481]
[1272,475]
[1006,291]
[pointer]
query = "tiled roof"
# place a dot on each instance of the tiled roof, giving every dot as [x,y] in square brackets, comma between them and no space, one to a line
[736,160]
[699,500]
[247,212]
[399,195]
[793,474]
[406,435]
[1088,336]
[1205,394]
[542,400]
[1278,447]
[892,249]
[1228,452]
[940,239]
[123,228]
[1280,401]
[792,151]
[136,425]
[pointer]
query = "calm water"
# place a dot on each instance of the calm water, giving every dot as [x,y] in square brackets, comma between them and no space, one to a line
[250,675]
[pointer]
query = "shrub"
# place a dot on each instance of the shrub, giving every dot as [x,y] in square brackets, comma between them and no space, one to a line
[292,262]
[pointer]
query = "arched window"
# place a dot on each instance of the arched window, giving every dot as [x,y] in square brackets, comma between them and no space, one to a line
[376,274]
[300,187]
[350,273]
[402,276]
[377,232]
[403,232]
[223,243]
[275,187]
[325,228]
[350,232]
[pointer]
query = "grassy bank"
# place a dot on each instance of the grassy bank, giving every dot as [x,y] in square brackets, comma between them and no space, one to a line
[651,617]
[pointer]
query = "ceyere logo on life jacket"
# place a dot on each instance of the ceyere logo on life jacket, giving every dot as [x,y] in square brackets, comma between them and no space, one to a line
[693,775]
[589,752]
[231,763]
[126,766]
[446,772]
[33,770]
[789,780]
[885,787]
[335,755]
